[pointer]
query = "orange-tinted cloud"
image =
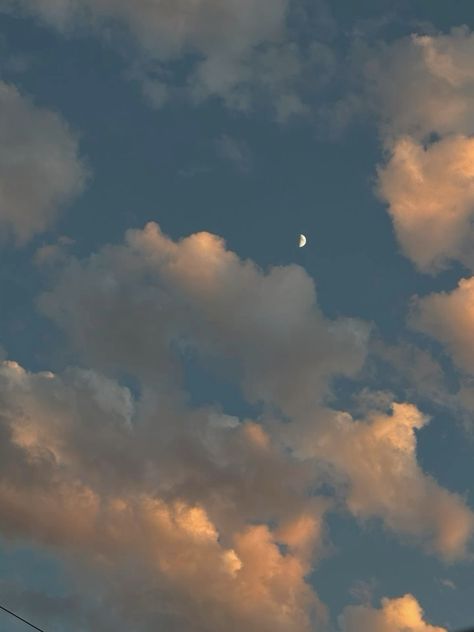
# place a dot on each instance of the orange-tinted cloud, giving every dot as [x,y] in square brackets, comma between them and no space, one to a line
[218,515]
[403,614]
[430,193]
[449,317]
[422,89]
[182,503]
[374,463]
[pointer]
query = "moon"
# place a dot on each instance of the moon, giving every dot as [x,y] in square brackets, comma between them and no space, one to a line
[302,241]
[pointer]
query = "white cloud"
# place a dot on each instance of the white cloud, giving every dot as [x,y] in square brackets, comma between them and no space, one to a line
[40,170]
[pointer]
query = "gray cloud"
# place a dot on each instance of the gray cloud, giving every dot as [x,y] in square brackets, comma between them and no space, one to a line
[423,84]
[40,170]
[152,293]
[235,151]
[242,51]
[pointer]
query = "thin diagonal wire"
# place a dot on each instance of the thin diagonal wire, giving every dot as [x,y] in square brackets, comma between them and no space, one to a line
[21,619]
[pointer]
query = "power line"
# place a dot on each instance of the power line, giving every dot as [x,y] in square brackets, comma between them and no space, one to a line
[21,619]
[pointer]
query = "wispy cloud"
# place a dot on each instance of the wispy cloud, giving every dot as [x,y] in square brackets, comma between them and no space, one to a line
[235,151]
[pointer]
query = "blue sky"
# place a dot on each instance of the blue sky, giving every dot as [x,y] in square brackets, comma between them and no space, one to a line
[204,427]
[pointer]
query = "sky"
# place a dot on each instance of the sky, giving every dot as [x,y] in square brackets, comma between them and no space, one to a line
[203,427]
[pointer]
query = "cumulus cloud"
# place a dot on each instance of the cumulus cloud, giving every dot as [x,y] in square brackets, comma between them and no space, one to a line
[40,169]
[185,499]
[430,192]
[423,90]
[84,473]
[54,253]
[403,614]
[130,305]
[138,306]
[374,461]
[449,317]
[414,375]
[135,306]
[424,84]
[216,516]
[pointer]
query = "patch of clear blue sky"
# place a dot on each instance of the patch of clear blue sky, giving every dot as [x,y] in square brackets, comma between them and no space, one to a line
[163,166]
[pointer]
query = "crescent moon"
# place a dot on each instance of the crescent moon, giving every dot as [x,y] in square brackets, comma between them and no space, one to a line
[302,241]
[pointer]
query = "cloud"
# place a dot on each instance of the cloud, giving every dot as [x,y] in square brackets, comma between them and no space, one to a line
[142,306]
[85,472]
[40,170]
[430,192]
[235,151]
[153,296]
[449,317]
[424,84]
[414,375]
[228,30]
[410,370]
[198,520]
[185,499]
[403,614]
[448,583]
[374,463]
[242,51]
[422,88]
[54,253]
[363,591]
